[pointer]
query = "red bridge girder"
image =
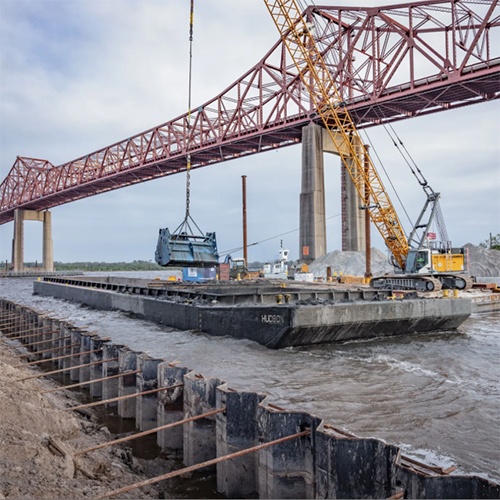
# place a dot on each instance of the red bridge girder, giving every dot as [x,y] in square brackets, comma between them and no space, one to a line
[390,63]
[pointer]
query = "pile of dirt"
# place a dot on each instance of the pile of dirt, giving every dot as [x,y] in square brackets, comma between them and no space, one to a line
[482,261]
[352,263]
[38,441]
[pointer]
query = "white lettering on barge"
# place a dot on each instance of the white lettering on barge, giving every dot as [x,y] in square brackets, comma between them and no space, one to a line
[272,318]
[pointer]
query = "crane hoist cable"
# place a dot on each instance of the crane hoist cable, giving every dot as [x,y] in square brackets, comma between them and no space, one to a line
[185,226]
[183,247]
[430,193]
[379,160]
[237,249]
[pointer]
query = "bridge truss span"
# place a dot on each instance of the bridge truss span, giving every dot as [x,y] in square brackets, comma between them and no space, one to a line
[390,63]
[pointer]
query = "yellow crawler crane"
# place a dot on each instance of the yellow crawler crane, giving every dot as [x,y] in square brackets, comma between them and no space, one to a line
[296,34]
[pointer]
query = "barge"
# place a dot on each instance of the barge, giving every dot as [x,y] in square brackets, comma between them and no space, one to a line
[274,314]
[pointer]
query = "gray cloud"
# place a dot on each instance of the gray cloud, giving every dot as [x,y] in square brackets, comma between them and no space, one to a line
[77,76]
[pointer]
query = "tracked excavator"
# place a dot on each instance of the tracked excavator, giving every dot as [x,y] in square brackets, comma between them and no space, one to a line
[422,266]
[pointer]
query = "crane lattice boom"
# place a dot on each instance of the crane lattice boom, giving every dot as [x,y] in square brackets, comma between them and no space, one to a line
[297,35]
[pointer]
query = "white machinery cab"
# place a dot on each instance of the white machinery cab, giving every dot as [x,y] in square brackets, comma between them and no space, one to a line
[419,262]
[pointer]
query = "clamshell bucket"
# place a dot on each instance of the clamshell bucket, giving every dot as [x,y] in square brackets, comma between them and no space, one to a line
[183,250]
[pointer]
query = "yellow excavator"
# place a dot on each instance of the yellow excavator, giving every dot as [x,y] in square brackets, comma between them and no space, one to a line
[421,265]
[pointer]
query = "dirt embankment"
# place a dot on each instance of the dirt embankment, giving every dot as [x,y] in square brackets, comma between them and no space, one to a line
[38,441]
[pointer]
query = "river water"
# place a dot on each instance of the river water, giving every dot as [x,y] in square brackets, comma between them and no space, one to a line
[434,395]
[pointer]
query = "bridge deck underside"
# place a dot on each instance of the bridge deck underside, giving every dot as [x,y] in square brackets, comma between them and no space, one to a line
[401,102]
[395,104]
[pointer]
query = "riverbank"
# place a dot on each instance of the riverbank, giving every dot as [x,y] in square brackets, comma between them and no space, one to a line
[38,440]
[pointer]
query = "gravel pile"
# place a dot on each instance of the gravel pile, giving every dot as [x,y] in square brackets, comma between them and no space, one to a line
[352,263]
[482,262]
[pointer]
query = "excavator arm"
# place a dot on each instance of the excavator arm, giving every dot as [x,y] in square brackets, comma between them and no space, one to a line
[297,35]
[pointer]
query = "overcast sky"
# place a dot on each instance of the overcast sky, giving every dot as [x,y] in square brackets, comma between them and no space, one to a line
[79,75]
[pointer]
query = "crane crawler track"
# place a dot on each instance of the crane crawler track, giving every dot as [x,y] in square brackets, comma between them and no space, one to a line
[456,281]
[407,282]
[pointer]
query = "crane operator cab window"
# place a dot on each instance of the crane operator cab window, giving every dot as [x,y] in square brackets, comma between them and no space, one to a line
[422,260]
[417,260]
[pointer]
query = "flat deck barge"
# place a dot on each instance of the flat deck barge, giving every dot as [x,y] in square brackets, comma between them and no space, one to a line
[274,314]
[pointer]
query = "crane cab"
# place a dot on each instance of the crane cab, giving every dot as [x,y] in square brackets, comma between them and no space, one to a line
[430,260]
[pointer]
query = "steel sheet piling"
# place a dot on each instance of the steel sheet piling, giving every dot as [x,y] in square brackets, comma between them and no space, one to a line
[95,368]
[237,429]
[205,464]
[145,417]
[110,384]
[86,339]
[199,436]
[127,361]
[170,406]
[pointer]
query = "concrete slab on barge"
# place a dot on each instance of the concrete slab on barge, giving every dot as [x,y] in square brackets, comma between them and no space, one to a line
[265,312]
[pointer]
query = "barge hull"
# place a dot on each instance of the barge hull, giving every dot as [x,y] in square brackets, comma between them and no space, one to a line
[277,326]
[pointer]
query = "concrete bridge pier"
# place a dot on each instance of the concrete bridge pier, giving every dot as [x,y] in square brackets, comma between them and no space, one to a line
[20,216]
[315,141]
[312,238]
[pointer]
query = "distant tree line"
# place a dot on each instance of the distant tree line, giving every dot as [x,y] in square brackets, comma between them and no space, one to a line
[493,242]
[136,265]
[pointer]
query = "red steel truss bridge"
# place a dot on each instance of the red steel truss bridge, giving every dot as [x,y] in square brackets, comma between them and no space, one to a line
[390,63]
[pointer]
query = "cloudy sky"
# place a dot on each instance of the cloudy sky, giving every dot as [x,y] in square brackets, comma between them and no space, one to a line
[78,75]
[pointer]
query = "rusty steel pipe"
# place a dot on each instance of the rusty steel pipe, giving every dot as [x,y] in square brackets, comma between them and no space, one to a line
[121,398]
[31,344]
[8,314]
[87,382]
[44,374]
[34,335]
[56,358]
[244,216]
[10,318]
[32,330]
[150,431]
[8,323]
[33,353]
[207,463]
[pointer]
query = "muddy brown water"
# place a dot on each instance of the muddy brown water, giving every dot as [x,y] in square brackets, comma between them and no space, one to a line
[434,395]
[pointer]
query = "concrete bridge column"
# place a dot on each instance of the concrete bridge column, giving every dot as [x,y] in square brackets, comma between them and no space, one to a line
[18,241]
[312,196]
[353,218]
[315,141]
[48,252]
